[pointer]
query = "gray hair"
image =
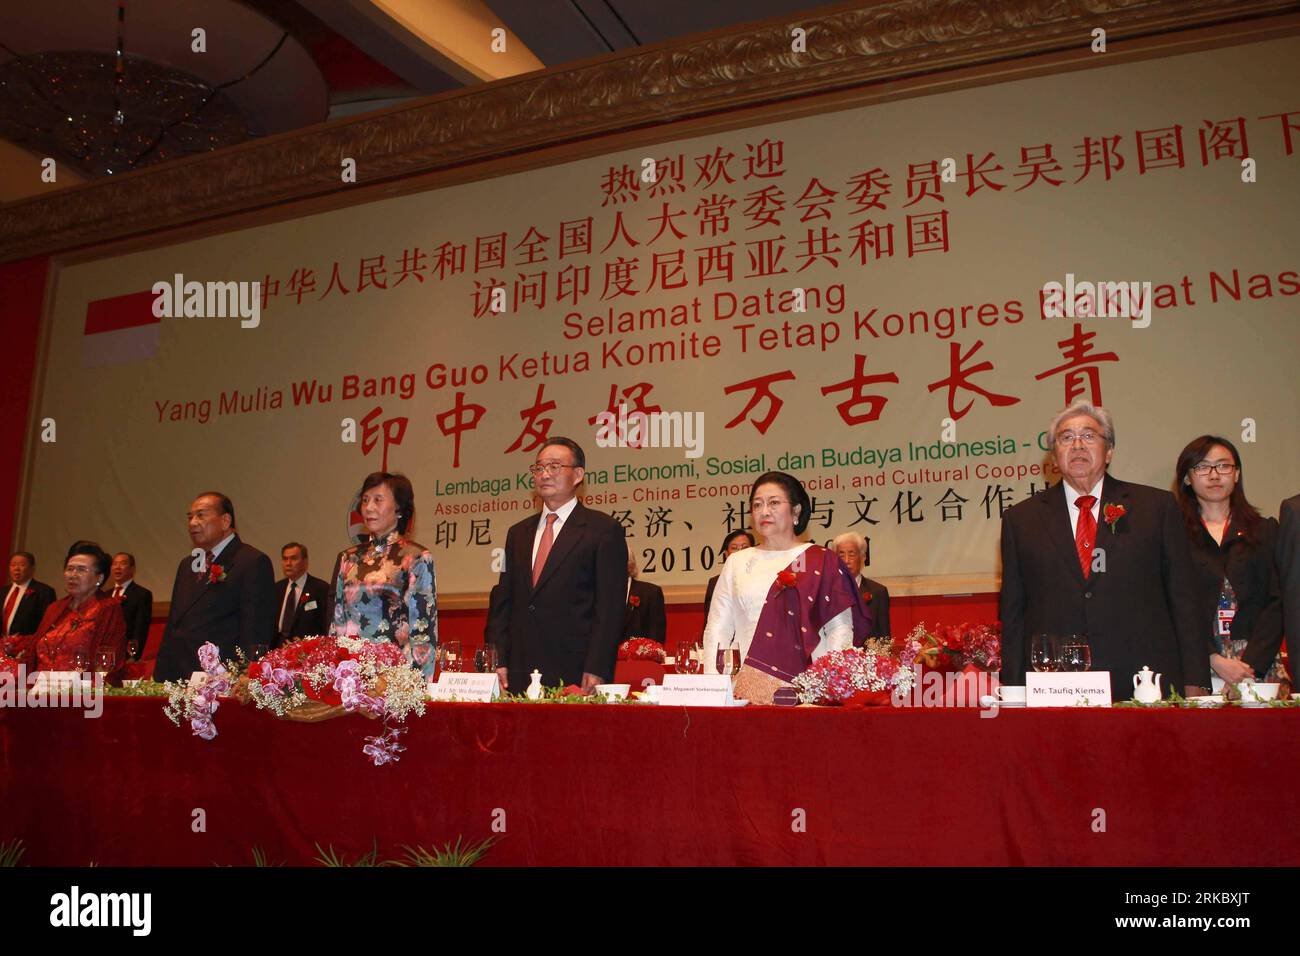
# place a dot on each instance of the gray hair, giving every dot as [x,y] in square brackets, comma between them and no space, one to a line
[1095,412]
[853,538]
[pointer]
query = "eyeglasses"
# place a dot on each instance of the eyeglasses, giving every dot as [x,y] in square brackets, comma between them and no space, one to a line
[548,468]
[771,504]
[78,569]
[1087,436]
[1203,468]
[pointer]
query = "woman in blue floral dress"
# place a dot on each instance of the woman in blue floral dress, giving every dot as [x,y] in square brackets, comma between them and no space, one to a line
[384,588]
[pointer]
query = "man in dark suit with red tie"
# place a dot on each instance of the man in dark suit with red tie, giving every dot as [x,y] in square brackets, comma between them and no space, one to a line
[558,606]
[300,599]
[137,601]
[224,593]
[1102,558]
[25,599]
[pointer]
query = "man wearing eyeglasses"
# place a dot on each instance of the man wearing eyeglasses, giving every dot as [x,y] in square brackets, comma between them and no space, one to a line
[1102,558]
[558,606]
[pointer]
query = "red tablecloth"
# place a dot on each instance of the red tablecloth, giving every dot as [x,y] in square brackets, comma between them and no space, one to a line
[625,784]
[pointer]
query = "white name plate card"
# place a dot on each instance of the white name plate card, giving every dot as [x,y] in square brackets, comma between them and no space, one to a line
[484,688]
[696,690]
[1073,689]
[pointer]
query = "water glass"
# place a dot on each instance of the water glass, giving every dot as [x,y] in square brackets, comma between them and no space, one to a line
[105,661]
[256,652]
[449,658]
[688,658]
[1076,655]
[133,650]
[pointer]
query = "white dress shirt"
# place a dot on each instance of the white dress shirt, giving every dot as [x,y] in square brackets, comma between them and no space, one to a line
[563,512]
[294,587]
[22,592]
[1071,501]
[216,552]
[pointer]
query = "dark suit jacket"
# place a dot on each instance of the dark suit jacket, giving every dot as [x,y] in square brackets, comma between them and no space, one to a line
[306,623]
[876,596]
[572,622]
[236,612]
[137,608]
[1253,575]
[1141,610]
[647,618]
[35,601]
[1288,567]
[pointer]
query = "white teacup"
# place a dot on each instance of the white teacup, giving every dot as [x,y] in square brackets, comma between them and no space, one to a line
[652,692]
[1011,693]
[614,691]
[1253,692]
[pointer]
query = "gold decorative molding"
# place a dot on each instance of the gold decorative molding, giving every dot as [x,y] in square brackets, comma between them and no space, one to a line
[848,47]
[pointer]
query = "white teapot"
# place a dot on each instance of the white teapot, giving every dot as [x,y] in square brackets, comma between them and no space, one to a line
[535,691]
[1146,690]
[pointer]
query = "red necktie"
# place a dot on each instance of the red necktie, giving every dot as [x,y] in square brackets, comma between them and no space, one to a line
[9,609]
[1085,533]
[544,547]
[117,591]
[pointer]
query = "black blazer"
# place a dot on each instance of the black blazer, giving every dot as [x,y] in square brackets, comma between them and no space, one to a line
[236,612]
[307,621]
[1250,569]
[35,600]
[137,608]
[708,597]
[1141,610]
[876,596]
[647,618]
[572,622]
[1288,566]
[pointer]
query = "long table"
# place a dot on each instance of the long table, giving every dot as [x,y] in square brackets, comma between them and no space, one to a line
[640,784]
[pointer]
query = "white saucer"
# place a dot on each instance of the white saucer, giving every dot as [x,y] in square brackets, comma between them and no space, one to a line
[1208,700]
[988,700]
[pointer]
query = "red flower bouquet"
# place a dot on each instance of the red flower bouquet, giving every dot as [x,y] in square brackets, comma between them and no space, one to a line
[641,649]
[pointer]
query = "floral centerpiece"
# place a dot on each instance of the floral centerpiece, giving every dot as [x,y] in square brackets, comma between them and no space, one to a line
[312,679]
[858,677]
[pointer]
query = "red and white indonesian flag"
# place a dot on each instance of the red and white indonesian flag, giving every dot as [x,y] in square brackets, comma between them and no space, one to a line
[120,330]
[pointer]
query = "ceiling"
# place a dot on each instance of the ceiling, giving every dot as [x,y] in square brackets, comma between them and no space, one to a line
[101,87]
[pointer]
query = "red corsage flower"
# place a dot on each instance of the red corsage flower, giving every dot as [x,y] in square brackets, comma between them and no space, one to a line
[216,573]
[787,579]
[634,601]
[1111,515]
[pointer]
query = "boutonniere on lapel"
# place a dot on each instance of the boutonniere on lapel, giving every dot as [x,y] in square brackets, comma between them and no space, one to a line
[787,579]
[1111,515]
[634,601]
[216,573]
[866,598]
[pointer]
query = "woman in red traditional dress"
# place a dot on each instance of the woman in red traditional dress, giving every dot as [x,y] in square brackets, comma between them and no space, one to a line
[79,630]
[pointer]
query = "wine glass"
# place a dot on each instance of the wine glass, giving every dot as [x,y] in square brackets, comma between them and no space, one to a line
[256,652]
[80,663]
[1045,652]
[105,661]
[1076,655]
[133,650]
[485,659]
[687,658]
[728,659]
